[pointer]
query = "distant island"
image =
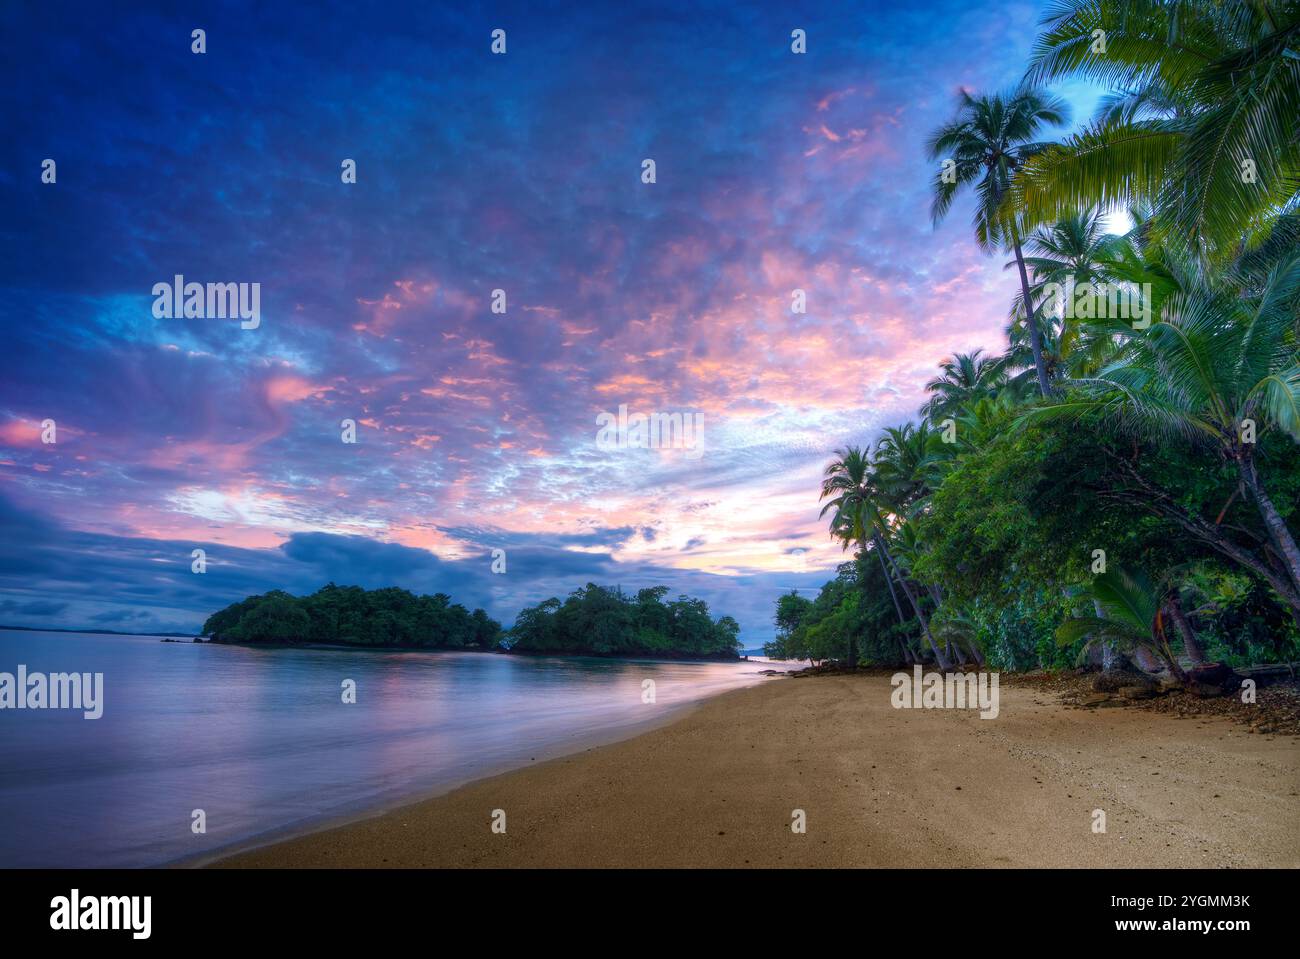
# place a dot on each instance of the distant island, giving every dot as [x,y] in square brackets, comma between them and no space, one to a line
[598,621]
[352,616]
[593,621]
[98,631]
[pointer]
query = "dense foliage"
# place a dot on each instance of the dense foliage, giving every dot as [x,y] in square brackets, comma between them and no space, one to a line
[1116,485]
[352,616]
[598,621]
[852,617]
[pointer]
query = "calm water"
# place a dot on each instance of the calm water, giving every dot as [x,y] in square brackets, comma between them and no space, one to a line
[262,742]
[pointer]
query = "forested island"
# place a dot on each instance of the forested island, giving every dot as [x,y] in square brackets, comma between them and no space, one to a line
[352,616]
[598,621]
[592,621]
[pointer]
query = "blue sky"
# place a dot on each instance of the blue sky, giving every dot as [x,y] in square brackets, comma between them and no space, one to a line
[475,172]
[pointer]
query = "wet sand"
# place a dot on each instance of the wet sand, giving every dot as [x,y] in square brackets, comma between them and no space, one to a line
[718,787]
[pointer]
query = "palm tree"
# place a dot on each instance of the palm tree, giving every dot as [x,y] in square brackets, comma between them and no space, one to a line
[909,464]
[989,141]
[1075,247]
[1020,356]
[1074,253]
[904,465]
[962,379]
[1075,256]
[1128,616]
[850,487]
[956,626]
[1218,369]
[1206,127]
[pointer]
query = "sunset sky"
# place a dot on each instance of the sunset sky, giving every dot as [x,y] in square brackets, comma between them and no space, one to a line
[522,172]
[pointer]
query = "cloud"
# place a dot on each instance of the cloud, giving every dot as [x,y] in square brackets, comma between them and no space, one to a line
[148,584]
[475,430]
[34,608]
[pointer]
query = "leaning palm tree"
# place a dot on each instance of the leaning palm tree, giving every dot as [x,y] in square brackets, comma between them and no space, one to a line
[852,494]
[1205,128]
[847,481]
[987,144]
[1070,257]
[964,378]
[1128,615]
[909,463]
[1219,369]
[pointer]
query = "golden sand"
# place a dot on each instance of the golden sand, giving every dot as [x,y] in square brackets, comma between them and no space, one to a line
[719,786]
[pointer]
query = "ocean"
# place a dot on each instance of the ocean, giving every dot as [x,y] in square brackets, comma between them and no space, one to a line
[262,742]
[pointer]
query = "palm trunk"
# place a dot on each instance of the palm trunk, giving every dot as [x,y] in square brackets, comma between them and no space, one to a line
[1146,660]
[908,656]
[1167,654]
[1031,320]
[889,581]
[1109,657]
[1156,501]
[953,649]
[1281,584]
[1190,644]
[1282,539]
[916,606]
[953,654]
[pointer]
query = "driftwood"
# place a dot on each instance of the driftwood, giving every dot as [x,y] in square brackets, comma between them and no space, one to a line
[1275,669]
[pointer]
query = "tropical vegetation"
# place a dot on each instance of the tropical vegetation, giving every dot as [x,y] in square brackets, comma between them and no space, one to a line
[1121,483]
[599,621]
[591,621]
[352,616]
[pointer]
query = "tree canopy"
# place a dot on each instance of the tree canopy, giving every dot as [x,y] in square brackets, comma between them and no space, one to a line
[1143,498]
[599,621]
[352,616]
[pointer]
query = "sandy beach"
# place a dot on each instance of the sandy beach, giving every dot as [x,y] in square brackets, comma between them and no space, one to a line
[879,787]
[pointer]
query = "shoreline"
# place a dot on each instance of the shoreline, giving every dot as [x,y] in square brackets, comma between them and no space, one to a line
[495,651]
[579,744]
[716,783]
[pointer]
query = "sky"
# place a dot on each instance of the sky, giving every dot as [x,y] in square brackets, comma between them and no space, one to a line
[522,172]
